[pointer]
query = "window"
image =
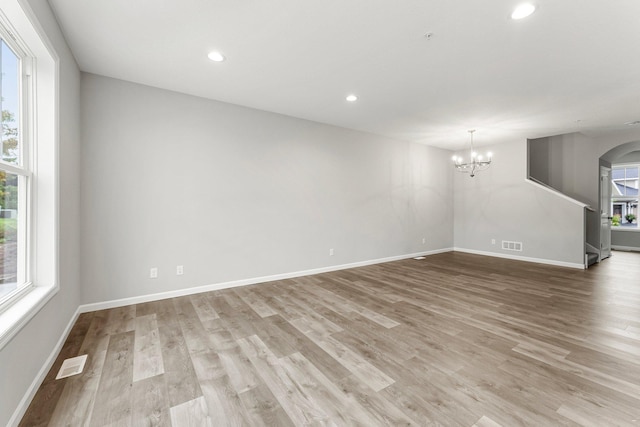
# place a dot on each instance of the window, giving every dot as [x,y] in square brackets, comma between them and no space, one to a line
[28,168]
[624,196]
[14,172]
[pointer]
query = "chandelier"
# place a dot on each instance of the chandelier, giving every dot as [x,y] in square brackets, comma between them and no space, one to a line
[476,161]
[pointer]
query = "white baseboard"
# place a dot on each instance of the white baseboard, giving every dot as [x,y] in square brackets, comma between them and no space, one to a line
[26,400]
[35,385]
[33,388]
[625,248]
[244,282]
[522,258]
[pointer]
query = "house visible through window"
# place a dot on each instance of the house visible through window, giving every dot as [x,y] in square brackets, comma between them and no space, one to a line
[624,196]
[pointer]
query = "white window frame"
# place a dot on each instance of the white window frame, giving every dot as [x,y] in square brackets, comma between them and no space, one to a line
[23,168]
[40,137]
[619,196]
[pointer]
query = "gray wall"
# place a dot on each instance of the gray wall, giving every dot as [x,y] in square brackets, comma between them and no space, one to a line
[629,240]
[633,157]
[574,165]
[233,193]
[551,161]
[601,148]
[23,357]
[539,155]
[499,204]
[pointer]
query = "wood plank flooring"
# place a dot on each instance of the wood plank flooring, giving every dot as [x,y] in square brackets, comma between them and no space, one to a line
[454,340]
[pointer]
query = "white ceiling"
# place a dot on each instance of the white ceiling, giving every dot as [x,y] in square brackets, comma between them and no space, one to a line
[572,65]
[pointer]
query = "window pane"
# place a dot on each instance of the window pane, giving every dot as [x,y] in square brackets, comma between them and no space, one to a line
[8,232]
[617,173]
[624,197]
[9,101]
[631,176]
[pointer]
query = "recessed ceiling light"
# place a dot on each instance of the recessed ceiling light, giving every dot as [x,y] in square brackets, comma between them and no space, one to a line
[523,10]
[216,56]
[351,98]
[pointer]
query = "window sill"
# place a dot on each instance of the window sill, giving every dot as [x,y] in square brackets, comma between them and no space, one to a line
[18,314]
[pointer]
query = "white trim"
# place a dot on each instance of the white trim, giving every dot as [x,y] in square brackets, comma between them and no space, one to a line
[43,260]
[16,170]
[625,248]
[84,308]
[522,258]
[557,193]
[626,164]
[615,187]
[16,316]
[244,282]
[37,381]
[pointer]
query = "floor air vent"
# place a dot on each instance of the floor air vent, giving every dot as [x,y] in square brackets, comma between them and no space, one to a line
[73,366]
[512,246]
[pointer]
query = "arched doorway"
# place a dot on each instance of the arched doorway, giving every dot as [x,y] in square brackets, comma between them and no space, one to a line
[626,188]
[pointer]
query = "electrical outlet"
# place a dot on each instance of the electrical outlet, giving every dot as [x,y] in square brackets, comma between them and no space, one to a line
[493,241]
[331,252]
[424,240]
[179,270]
[153,273]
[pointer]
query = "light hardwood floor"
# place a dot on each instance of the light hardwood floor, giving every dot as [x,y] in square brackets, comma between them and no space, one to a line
[454,340]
